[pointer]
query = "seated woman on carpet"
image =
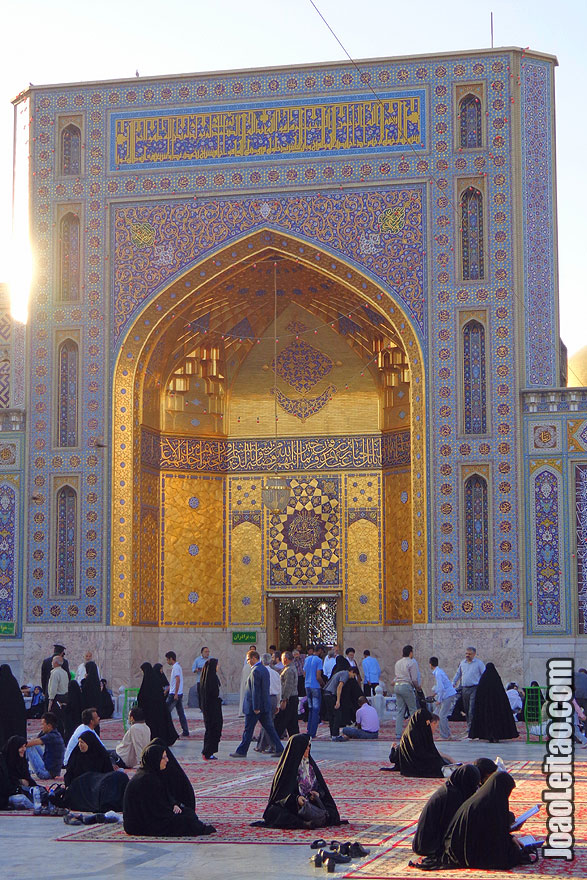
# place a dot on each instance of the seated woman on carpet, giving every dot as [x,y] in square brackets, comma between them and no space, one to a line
[16,783]
[299,796]
[176,780]
[438,814]
[150,810]
[479,834]
[92,785]
[416,754]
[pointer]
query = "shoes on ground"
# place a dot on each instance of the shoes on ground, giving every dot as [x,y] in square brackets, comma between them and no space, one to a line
[209,757]
[337,739]
[72,819]
[236,755]
[185,735]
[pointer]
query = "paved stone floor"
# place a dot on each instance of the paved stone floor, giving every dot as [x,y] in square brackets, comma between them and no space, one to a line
[29,849]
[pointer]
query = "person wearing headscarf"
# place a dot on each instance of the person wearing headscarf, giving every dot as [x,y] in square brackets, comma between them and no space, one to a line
[158,670]
[17,782]
[91,687]
[72,712]
[438,813]
[176,779]
[152,701]
[37,706]
[492,716]
[150,810]
[89,756]
[479,834]
[416,754]
[105,705]
[211,706]
[299,795]
[12,706]
[92,785]
[332,694]
[349,699]
[486,767]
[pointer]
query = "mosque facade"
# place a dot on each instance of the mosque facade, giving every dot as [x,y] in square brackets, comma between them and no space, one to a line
[340,276]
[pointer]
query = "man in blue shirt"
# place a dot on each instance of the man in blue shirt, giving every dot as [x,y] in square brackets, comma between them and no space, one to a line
[46,764]
[445,696]
[371,673]
[314,681]
[257,707]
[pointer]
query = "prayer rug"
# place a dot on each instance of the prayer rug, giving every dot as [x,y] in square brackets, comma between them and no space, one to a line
[242,832]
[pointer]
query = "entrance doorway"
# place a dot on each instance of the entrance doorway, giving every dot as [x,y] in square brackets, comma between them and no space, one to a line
[304,620]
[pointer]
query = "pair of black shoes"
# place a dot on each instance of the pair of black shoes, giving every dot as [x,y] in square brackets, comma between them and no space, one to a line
[337,854]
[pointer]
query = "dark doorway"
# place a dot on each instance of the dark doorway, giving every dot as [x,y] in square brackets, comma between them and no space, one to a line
[307,620]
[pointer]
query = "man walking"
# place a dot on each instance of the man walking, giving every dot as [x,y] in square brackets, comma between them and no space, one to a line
[314,680]
[47,665]
[469,674]
[175,695]
[287,717]
[407,678]
[445,696]
[257,707]
[371,673]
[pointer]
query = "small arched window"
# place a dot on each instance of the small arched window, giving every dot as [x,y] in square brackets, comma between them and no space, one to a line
[474,381]
[71,150]
[66,543]
[4,384]
[476,534]
[69,258]
[68,370]
[472,235]
[470,122]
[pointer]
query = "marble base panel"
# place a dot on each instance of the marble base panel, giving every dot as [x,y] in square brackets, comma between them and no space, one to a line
[119,651]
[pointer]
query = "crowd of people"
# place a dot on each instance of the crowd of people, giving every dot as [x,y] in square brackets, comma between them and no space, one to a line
[466,822]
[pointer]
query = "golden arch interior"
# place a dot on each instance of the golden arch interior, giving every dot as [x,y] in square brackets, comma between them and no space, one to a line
[197,548]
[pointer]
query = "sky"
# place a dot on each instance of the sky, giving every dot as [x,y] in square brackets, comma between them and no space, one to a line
[67,41]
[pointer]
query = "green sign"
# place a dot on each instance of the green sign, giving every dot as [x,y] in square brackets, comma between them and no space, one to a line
[239,638]
[6,629]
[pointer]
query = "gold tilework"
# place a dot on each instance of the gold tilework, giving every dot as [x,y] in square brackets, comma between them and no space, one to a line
[399,562]
[364,587]
[246,574]
[147,610]
[192,550]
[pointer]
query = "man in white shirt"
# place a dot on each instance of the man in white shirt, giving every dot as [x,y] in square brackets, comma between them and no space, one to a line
[445,696]
[264,744]
[175,695]
[81,669]
[367,725]
[514,697]
[138,736]
[329,661]
[407,678]
[90,720]
[58,683]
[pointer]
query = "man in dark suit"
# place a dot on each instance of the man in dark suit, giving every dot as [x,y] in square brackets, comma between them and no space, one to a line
[47,665]
[257,707]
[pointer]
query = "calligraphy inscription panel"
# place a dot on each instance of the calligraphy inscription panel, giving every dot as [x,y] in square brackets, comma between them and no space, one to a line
[253,456]
[194,137]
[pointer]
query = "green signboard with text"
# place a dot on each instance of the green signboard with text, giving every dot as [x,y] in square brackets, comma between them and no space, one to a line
[240,638]
[6,629]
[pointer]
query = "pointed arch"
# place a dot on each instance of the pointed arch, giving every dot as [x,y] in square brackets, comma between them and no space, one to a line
[67,390]
[470,122]
[474,379]
[69,258]
[472,248]
[66,541]
[71,150]
[476,533]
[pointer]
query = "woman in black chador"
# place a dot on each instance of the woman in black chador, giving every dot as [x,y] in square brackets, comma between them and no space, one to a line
[91,782]
[72,712]
[479,834]
[439,811]
[91,687]
[416,754]
[492,716]
[176,779]
[161,677]
[152,701]
[12,707]
[105,705]
[211,706]
[299,796]
[150,810]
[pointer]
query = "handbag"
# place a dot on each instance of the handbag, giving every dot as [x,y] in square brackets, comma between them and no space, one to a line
[312,813]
